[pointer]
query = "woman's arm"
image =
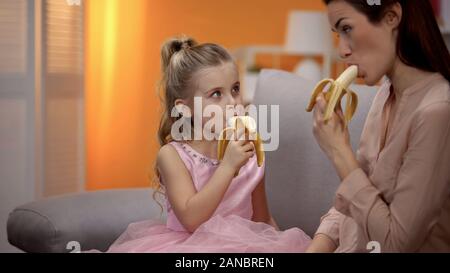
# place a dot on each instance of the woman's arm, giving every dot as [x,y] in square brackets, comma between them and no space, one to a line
[321,244]
[326,239]
[334,139]
[260,208]
[194,208]
[421,187]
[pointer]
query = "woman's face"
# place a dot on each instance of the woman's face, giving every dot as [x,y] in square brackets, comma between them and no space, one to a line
[372,47]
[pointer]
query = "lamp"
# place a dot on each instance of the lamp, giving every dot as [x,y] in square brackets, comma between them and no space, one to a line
[308,34]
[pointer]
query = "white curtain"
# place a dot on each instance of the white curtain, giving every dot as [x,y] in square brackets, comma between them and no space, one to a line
[41,103]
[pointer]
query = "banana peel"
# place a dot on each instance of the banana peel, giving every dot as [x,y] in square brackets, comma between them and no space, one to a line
[248,124]
[334,94]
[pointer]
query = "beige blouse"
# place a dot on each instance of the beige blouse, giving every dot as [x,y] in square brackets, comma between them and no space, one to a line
[400,195]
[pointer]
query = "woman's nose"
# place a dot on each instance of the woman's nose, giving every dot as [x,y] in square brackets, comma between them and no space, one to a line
[344,49]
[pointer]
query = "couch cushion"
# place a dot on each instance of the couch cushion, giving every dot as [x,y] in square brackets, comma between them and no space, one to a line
[300,180]
[94,219]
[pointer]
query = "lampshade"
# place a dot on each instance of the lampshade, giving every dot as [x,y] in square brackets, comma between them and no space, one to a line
[308,32]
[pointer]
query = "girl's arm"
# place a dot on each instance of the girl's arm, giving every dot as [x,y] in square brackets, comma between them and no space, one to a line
[260,208]
[194,208]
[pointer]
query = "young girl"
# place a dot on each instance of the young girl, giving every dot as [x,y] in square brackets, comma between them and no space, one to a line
[208,209]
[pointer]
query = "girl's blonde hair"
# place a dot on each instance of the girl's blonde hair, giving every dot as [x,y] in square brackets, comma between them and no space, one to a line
[181,58]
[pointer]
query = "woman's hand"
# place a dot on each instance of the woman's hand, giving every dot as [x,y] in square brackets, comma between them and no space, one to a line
[238,152]
[333,138]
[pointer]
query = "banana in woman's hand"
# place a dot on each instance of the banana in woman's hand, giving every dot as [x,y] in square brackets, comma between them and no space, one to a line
[249,125]
[335,92]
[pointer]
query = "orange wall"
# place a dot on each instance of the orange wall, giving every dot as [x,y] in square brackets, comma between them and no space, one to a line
[123,38]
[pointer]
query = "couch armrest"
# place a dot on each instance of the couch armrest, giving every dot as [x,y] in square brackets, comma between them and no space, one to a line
[94,219]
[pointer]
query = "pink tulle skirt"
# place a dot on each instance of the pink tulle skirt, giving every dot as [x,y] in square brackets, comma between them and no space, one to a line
[231,234]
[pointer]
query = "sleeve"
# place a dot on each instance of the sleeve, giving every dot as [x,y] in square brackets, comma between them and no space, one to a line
[329,225]
[421,190]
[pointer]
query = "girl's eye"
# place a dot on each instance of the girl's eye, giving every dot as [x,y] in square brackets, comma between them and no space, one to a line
[216,94]
[236,89]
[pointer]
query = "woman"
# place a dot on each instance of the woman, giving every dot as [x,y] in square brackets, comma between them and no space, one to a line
[396,189]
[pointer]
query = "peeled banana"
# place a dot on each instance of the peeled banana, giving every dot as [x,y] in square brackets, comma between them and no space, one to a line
[249,125]
[335,92]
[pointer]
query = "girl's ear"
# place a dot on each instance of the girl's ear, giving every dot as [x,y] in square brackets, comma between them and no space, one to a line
[393,16]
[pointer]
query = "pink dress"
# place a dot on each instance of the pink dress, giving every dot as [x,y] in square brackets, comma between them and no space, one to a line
[229,230]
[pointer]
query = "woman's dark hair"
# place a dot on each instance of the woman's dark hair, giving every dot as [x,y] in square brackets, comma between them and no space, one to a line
[420,43]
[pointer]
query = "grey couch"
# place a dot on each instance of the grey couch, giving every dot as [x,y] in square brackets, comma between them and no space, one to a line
[300,182]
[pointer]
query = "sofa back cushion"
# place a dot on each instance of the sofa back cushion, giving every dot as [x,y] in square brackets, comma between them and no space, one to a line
[300,180]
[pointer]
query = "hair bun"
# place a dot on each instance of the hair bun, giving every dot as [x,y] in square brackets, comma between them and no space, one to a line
[172,46]
[187,43]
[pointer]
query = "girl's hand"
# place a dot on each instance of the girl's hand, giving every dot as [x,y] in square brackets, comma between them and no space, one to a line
[333,138]
[238,152]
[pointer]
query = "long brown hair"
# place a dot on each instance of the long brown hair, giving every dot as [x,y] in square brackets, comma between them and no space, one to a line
[181,58]
[420,43]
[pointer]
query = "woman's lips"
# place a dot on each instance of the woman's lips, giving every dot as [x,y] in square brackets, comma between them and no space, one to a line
[361,73]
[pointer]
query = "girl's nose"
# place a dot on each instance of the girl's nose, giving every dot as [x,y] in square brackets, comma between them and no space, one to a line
[230,108]
[231,100]
[344,49]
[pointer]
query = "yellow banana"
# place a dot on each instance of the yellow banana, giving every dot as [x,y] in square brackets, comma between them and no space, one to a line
[249,125]
[335,92]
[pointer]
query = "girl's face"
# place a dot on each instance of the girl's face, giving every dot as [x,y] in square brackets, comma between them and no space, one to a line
[372,47]
[219,86]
